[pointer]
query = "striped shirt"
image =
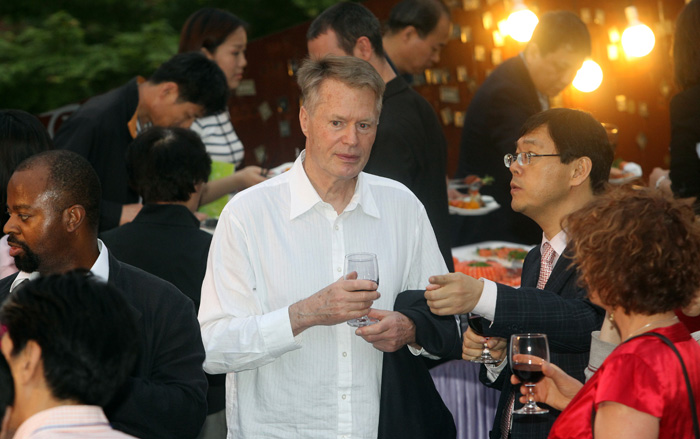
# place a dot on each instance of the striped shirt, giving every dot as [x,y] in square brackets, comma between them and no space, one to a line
[69,421]
[219,137]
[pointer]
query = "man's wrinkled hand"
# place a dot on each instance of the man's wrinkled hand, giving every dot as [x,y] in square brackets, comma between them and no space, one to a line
[339,302]
[453,293]
[393,331]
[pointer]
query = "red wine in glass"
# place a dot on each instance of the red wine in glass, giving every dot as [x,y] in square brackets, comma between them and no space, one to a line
[475,322]
[527,353]
[528,373]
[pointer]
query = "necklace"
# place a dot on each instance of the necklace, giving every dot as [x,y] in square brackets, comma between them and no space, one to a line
[638,330]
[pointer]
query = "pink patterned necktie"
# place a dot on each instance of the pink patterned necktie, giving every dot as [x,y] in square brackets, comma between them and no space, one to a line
[546,265]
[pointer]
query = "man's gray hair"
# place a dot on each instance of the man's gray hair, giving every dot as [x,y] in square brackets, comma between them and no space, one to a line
[351,71]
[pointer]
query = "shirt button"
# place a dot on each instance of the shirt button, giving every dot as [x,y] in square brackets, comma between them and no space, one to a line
[339,269]
[343,396]
[345,354]
[336,227]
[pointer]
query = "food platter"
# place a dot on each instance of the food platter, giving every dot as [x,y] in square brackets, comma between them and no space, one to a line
[489,206]
[498,261]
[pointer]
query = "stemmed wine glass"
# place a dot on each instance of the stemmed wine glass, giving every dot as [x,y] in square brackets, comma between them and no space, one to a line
[527,354]
[475,322]
[366,267]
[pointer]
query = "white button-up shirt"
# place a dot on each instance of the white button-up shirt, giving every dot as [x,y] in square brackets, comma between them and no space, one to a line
[276,244]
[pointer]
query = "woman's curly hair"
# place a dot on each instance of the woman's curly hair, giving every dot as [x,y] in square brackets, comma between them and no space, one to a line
[637,249]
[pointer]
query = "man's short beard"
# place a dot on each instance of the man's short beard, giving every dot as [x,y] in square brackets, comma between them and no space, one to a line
[28,261]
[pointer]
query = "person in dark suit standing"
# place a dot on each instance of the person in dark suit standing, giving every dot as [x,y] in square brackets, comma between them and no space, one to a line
[562,161]
[53,200]
[168,168]
[517,89]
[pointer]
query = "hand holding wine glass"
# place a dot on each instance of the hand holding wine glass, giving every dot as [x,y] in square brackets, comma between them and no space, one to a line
[556,390]
[362,266]
[527,354]
[475,323]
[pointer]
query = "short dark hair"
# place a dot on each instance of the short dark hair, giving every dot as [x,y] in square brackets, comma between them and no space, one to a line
[86,331]
[72,179]
[208,28]
[165,164]
[423,15]
[7,386]
[637,248]
[199,80]
[21,135]
[686,46]
[557,29]
[349,21]
[576,134]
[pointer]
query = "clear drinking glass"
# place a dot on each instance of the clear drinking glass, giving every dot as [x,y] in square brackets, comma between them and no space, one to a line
[366,267]
[527,354]
[475,322]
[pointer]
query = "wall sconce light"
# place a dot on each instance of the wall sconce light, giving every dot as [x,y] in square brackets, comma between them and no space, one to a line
[521,22]
[589,76]
[637,39]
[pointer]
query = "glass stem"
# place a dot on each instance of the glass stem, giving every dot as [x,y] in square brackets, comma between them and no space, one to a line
[530,394]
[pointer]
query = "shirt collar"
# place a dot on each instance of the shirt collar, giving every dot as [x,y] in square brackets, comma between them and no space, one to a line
[100,268]
[304,197]
[558,242]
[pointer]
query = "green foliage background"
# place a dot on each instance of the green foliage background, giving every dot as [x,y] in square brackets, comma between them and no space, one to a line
[54,53]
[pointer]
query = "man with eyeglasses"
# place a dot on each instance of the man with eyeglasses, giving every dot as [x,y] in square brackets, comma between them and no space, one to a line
[517,89]
[561,162]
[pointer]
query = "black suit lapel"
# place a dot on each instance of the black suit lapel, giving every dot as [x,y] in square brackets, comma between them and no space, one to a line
[531,268]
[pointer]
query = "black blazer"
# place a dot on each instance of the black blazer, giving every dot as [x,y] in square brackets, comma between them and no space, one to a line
[165,240]
[685,136]
[561,311]
[411,148]
[98,131]
[410,405]
[492,123]
[165,396]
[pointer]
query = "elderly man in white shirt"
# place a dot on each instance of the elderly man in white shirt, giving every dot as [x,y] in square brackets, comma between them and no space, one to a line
[274,302]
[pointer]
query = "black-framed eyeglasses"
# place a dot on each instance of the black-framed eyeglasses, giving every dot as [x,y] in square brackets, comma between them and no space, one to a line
[523,158]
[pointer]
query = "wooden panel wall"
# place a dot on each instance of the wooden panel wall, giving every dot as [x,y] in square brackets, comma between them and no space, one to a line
[645,83]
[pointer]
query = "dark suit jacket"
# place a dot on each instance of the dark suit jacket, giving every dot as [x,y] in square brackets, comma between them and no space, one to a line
[410,406]
[98,131]
[561,311]
[492,124]
[165,240]
[411,148]
[165,397]
[685,136]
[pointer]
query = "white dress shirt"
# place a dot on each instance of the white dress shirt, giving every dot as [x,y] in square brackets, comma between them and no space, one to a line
[276,244]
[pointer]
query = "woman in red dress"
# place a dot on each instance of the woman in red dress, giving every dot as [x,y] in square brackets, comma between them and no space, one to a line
[637,251]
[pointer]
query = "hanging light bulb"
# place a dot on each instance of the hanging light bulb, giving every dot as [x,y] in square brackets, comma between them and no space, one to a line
[521,22]
[637,39]
[589,76]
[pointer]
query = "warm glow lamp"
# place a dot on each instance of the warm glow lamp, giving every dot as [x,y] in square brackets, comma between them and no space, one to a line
[521,22]
[637,39]
[589,76]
